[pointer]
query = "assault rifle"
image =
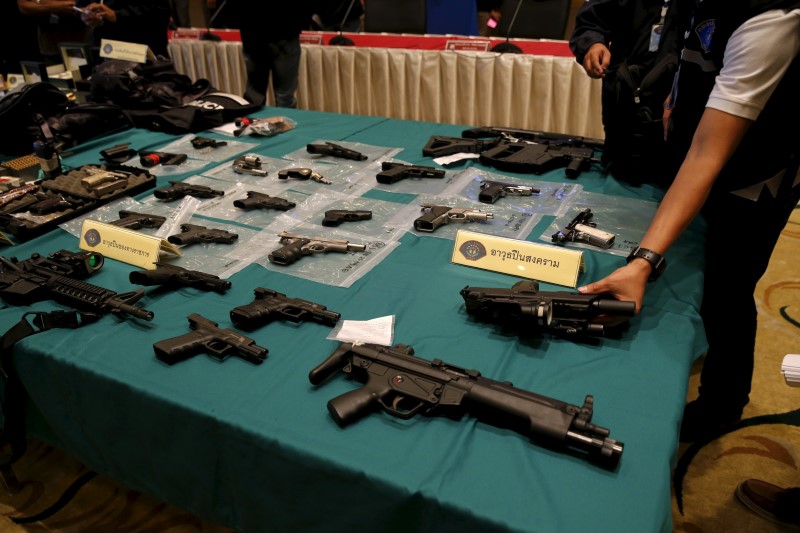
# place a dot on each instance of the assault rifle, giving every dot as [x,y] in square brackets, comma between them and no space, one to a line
[436,216]
[403,385]
[206,337]
[581,229]
[271,305]
[525,308]
[174,277]
[335,150]
[135,221]
[392,172]
[179,189]
[296,246]
[192,233]
[259,200]
[492,190]
[59,277]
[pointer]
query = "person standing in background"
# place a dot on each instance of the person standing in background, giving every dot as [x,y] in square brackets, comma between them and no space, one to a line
[271,45]
[142,22]
[57,22]
[735,92]
[615,38]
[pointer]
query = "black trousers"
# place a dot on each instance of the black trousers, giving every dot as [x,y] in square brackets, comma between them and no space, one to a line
[741,236]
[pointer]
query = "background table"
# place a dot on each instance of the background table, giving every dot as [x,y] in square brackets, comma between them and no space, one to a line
[253,447]
[415,78]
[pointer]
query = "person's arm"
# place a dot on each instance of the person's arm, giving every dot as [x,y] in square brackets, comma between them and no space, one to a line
[45,7]
[753,68]
[594,23]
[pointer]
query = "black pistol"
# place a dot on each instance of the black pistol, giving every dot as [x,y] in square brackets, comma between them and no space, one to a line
[334,217]
[179,189]
[175,277]
[270,305]
[136,221]
[335,150]
[259,200]
[491,191]
[392,172]
[192,233]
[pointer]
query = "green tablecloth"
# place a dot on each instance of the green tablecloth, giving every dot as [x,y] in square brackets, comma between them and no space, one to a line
[253,447]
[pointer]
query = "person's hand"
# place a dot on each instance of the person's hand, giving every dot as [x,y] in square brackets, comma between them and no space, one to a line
[626,283]
[95,15]
[667,114]
[596,60]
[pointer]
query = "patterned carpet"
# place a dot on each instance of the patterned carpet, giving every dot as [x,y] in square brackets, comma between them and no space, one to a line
[766,445]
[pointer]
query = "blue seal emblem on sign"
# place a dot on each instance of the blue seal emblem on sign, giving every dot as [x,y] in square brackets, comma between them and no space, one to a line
[92,237]
[472,250]
[108,48]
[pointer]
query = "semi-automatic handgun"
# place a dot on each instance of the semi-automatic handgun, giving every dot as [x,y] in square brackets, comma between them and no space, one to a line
[435,216]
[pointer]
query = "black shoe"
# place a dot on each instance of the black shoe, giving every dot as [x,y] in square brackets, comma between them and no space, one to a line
[701,421]
[770,501]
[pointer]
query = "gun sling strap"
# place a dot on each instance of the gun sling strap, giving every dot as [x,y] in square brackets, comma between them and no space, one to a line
[15,398]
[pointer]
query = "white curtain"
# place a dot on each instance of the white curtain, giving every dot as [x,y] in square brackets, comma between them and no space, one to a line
[533,92]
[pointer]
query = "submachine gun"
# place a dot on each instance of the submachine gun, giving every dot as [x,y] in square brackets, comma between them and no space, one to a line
[526,308]
[523,151]
[403,385]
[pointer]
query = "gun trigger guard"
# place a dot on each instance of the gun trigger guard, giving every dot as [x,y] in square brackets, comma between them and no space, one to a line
[394,410]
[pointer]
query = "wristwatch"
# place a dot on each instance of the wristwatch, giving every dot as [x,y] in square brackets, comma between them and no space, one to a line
[656,260]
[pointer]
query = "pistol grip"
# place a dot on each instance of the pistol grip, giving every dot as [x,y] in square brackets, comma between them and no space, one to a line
[352,405]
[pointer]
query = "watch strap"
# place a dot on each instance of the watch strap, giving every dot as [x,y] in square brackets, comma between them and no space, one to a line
[655,259]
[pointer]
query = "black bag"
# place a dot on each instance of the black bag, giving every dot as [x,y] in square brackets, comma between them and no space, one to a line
[200,114]
[132,85]
[18,127]
[634,130]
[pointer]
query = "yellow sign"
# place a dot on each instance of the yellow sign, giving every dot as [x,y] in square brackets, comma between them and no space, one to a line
[123,244]
[542,262]
[139,53]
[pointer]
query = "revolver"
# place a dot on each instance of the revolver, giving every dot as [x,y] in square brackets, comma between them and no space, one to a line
[296,246]
[438,215]
[492,190]
[302,174]
[248,164]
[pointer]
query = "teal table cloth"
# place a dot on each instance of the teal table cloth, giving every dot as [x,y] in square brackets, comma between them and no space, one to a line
[253,446]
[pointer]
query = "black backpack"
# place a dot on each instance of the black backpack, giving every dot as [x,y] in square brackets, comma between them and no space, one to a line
[18,127]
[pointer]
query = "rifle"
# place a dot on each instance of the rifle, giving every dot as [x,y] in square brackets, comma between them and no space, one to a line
[259,200]
[538,137]
[525,308]
[492,190]
[296,246]
[59,277]
[249,164]
[334,217]
[192,233]
[403,385]
[135,221]
[392,172]
[302,174]
[179,189]
[335,150]
[581,229]
[206,337]
[151,159]
[438,215]
[270,305]
[175,277]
